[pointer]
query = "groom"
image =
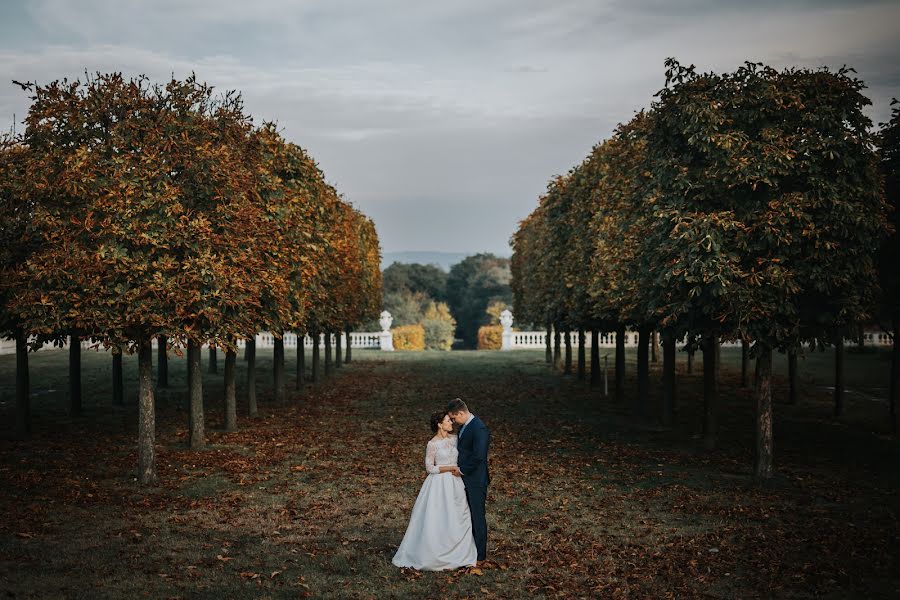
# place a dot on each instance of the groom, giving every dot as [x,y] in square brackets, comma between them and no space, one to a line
[474,439]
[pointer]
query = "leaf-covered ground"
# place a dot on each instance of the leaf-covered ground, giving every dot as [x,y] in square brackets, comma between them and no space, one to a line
[312,499]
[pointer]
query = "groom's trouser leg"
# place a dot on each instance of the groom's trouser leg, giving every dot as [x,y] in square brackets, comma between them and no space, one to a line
[477,498]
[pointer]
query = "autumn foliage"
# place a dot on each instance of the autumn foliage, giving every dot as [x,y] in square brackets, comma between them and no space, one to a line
[740,206]
[490,337]
[139,210]
[408,337]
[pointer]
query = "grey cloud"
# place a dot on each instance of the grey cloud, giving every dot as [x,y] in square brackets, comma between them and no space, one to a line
[442,120]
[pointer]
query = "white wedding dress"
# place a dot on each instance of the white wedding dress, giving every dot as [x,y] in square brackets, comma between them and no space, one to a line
[439,535]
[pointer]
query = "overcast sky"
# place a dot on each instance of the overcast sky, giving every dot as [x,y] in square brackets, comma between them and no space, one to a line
[442,120]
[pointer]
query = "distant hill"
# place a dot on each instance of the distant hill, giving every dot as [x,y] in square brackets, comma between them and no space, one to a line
[444,260]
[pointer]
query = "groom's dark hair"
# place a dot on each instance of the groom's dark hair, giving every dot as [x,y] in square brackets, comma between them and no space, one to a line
[457,406]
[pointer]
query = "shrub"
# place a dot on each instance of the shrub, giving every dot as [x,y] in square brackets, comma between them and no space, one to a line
[490,337]
[408,337]
[439,325]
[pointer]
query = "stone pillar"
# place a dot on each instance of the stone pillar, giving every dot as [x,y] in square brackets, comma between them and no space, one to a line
[506,320]
[387,340]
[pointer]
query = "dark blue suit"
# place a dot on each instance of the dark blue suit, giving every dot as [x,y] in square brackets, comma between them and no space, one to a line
[473,445]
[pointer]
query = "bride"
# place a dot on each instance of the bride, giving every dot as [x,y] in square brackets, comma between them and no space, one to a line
[439,535]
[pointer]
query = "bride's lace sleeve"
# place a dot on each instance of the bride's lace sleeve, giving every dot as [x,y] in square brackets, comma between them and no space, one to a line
[431,458]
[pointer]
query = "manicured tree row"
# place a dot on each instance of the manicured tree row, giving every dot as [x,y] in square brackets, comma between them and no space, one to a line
[362,302]
[144,199]
[889,257]
[619,201]
[533,277]
[526,266]
[16,245]
[741,206]
[769,214]
[574,270]
[138,212]
[556,203]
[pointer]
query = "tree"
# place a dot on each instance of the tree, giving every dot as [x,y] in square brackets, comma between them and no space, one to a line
[146,203]
[17,242]
[430,280]
[471,285]
[889,254]
[769,211]
[618,228]
[439,326]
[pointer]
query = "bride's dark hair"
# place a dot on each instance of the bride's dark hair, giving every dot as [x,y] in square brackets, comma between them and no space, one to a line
[436,419]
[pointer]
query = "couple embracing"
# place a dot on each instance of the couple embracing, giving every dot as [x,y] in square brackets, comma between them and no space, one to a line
[447,528]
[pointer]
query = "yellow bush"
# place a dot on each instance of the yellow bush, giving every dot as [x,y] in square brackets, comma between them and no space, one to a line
[490,337]
[409,337]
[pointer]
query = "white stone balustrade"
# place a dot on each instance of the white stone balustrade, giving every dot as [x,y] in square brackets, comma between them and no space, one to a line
[512,340]
[364,340]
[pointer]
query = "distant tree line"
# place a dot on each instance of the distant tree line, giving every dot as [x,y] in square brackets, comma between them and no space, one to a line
[746,206]
[131,212]
[448,305]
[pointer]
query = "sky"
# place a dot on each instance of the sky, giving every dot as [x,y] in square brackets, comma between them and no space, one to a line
[441,120]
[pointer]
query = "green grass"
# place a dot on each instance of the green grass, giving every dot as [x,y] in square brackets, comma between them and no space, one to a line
[313,497]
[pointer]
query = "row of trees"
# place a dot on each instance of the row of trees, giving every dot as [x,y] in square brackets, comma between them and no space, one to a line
[747,206]
[131,212]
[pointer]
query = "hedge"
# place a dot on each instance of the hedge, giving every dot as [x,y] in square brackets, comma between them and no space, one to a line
[490,337]
[409,337]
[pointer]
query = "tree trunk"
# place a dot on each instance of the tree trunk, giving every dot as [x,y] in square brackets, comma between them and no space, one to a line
[595,357]
[162,362]
[654,345]
[581,356]
[146,414]
[213,361]
[557,346]
[668,378]
[230,399]
[762,391]
[792,377]
[745,362]
[74,375]
[278,369]
[620,363]
[548,354]
[338,356]
[349,345]
[839,376]
[314,376]
[643,372]
[23,386]
[301,360]
[328,354]
[710,390]
[250,354]
[118,379]
[895,374]
[861,339]
[196,423]
[690,362]
[567,366]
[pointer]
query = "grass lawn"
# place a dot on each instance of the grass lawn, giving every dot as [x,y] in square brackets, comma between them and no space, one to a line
[311,499]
